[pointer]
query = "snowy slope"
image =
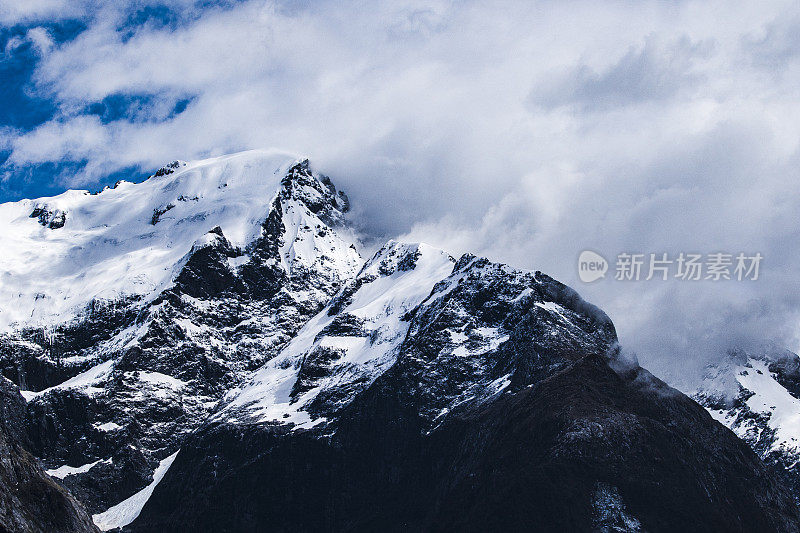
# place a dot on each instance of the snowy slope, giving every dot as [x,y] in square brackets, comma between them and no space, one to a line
[126,511]
[127,240]
[347,345]
[764,407]
[405,297]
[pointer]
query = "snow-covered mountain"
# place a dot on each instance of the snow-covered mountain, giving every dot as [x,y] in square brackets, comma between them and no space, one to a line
[169,292]
[757,395]
[207,350]
[352,341]
[61,253]
[360,334]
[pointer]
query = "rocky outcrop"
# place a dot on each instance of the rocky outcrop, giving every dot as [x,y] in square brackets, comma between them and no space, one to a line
[30,501]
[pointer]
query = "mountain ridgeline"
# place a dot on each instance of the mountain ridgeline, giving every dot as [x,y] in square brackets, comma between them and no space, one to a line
[207,350]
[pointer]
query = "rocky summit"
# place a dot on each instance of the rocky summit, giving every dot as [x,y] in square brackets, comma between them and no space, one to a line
[207,350]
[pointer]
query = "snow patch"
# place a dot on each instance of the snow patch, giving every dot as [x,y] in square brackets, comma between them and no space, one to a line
[84,382]
[161,380]
[128,510]
[63,471]
[28,394]
[487,340]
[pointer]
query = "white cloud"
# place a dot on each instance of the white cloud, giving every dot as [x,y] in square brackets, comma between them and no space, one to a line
[525,132]
[15,11]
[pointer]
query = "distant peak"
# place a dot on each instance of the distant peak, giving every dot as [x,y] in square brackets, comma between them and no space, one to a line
[169,168]
[299,172]
[397,256]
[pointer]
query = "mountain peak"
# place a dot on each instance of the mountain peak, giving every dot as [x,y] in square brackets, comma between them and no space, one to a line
[163,295]
[479,397]
[756,393]
[315,190]
[128,241]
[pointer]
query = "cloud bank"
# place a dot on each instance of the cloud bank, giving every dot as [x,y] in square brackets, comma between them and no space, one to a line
[526,132]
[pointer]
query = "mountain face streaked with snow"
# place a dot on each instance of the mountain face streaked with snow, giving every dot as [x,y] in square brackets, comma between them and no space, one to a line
[207,350]
[185,301]
[764,409]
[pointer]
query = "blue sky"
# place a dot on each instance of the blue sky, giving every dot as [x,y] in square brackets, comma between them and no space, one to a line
[23,110]
[27,106]
[525,131]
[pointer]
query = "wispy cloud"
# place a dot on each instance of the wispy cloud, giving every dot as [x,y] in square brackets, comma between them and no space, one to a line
[653,73]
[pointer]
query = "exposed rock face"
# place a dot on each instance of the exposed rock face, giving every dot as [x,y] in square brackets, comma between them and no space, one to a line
[30,501]
[494,408]
[53,219]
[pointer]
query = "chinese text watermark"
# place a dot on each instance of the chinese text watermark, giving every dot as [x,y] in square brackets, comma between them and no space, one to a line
[661,266]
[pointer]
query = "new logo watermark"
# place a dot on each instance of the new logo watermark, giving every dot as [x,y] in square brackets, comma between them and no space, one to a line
[591,266]
[715,266]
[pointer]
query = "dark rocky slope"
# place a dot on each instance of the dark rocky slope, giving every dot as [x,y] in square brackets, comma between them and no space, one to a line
[30,501]
[563,443]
